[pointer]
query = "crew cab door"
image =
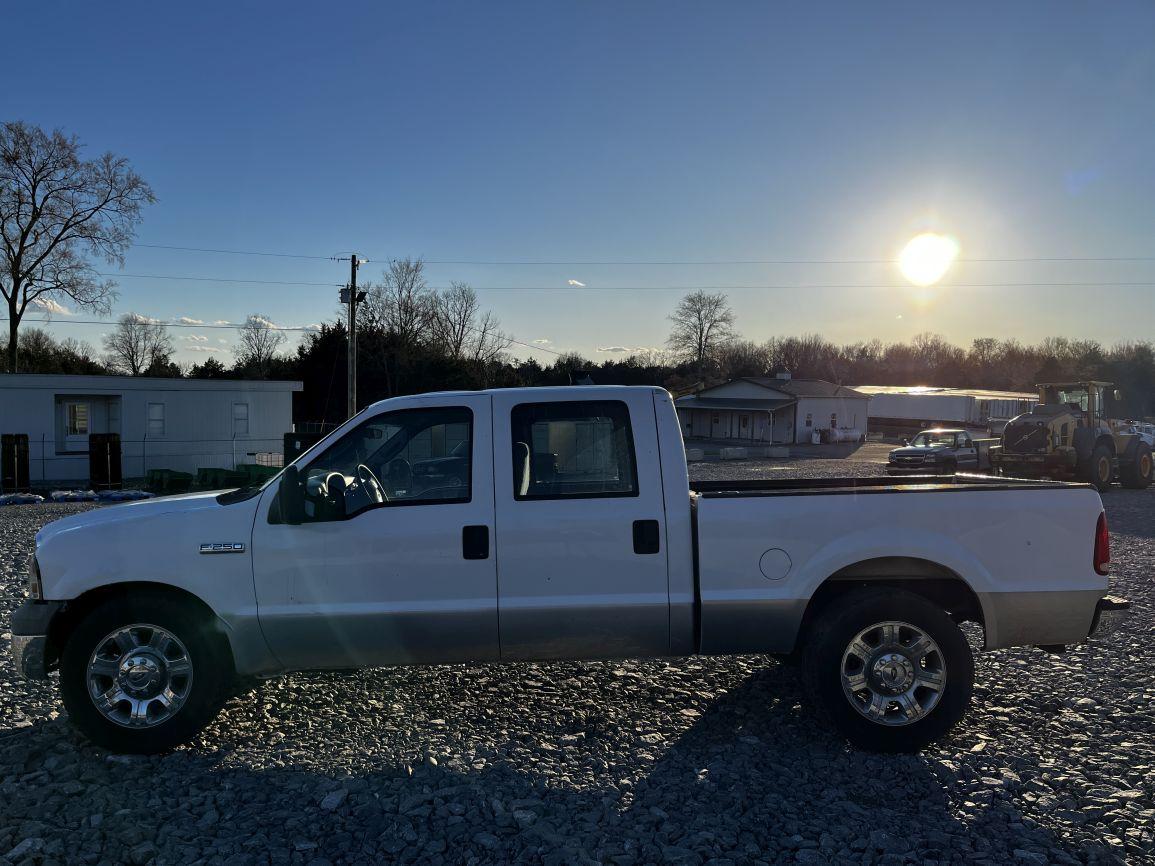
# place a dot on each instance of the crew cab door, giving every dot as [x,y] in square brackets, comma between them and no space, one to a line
[581,530]
[406,576]
[966,452]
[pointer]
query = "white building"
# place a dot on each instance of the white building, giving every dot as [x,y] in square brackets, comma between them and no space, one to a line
[776,409]
[900,406]
[181,424]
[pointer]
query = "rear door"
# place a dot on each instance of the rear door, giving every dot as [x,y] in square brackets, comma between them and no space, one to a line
[581,535]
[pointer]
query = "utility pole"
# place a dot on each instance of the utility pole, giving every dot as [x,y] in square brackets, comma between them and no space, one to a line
[351,297]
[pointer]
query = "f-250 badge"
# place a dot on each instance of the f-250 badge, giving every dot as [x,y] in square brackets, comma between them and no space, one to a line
[223,547]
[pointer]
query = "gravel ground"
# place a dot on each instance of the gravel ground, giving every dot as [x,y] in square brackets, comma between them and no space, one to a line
[685,761]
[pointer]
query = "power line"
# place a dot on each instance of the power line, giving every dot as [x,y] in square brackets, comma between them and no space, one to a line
[231,252]
[214,279]
[720,262]
[651,263]
[665,288]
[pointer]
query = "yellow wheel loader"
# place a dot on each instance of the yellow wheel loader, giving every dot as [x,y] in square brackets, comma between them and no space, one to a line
[1067,436]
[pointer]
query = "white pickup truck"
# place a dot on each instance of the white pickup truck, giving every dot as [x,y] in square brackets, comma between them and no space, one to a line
[554,523]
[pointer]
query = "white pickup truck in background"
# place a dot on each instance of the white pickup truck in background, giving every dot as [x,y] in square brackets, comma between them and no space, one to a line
[554,523]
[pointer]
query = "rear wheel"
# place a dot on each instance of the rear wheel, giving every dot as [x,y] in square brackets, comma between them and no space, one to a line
[1099,470]
[141,675]
[1137,472]
[891,669]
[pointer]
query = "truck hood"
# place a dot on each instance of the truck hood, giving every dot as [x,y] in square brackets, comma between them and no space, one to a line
[154,540]
[128,511]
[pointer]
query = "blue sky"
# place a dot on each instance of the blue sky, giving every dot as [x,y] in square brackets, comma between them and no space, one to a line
[622,132]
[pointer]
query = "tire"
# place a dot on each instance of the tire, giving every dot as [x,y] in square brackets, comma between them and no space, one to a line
[830,669]
[157,638]
[1099,471]
[1136,473]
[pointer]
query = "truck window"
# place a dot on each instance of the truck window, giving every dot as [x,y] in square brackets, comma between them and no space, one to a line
[419,456]
[573,449]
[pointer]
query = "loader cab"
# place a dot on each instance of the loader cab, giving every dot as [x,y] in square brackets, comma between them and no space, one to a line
[1087,399]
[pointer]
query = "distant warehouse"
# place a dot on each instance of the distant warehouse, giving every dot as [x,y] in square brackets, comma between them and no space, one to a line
[902,408]
[180,424]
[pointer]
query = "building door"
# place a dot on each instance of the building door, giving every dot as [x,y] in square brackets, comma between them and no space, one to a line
[720,425]
[745,431]
[77,417]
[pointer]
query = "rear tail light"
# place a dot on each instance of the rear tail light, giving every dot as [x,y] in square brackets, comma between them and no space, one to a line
[1102,546]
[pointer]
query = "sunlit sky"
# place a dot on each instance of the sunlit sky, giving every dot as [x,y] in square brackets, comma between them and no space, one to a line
[610,132]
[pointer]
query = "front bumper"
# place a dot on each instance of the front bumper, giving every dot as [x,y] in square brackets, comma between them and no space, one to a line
[916,469]
[29,645]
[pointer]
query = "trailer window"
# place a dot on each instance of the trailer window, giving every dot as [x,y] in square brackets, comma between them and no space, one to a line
[573,449]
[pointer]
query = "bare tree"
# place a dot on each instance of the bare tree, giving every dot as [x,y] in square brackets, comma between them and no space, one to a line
[137,344]
[702,324]
[401,304]
[454,312]
[57,210]
[461,330]
[258,343]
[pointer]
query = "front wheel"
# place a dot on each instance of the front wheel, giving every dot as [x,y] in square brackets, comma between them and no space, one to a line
[890,669]
[141,675]
[1100,469]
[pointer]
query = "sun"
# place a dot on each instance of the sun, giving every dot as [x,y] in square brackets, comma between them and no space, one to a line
[927,257]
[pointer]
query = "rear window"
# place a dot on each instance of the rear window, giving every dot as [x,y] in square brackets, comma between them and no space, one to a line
[573,449]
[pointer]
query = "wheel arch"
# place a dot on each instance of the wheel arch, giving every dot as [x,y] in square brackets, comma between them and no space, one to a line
[933,581]
[73,612]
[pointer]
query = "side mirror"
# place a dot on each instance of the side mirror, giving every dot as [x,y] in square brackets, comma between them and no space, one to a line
[292,496]
[1117,394]
[905,441]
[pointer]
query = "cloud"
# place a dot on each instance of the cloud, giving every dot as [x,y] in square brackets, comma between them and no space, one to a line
[221,340]
[51,307]
[222,322]
[261,320]
[196,338]
[312,326]
[614,348]
[185,320]
[206,349]
[542,341]
[147,320]
[576,284]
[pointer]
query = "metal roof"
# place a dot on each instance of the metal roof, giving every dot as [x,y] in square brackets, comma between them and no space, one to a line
[804,387]
[934,391]
[742,405]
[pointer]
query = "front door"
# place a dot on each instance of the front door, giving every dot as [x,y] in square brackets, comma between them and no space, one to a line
[580,525]
[966,452]
[77,424]
[394,563]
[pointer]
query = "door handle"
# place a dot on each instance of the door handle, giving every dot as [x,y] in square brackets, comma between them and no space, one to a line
[475,542]
[647,537]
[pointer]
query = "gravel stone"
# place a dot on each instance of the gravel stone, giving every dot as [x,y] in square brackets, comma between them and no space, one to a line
[700,760]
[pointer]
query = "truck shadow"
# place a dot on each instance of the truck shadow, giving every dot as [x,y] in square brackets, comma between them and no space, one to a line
[748,775]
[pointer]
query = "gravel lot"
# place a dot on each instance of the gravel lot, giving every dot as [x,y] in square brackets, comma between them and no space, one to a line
[701,760]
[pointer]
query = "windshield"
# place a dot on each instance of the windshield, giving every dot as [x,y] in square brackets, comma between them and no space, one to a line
[933,439]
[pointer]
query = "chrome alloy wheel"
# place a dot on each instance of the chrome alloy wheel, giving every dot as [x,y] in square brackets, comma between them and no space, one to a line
[139,676]
[893,673]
